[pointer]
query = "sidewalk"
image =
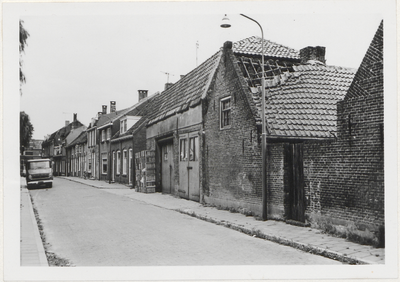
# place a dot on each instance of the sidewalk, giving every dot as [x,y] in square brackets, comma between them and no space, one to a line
[32,251]
[304,238]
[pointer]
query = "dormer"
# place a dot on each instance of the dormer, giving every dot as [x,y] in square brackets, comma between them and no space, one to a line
[127,122]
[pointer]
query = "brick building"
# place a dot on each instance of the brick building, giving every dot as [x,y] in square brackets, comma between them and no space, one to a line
[54,146]
[174,155]
[301,96]
[76,156]
[324,136]
[130,139]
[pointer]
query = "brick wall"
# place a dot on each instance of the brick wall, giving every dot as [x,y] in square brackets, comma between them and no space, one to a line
[345,177]
[275,179]
[232,159]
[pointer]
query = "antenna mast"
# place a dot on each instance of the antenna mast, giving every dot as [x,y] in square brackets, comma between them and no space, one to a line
[197,48]
[167,73]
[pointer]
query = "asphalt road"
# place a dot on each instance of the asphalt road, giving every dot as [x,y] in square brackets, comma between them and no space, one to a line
[91,227]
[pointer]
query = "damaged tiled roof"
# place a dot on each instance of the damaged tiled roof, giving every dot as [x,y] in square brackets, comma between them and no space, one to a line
[302,103]
[252,46]
[187,92]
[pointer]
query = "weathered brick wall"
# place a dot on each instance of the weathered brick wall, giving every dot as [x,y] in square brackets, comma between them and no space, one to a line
[275,179]
[345,177]
[232,159]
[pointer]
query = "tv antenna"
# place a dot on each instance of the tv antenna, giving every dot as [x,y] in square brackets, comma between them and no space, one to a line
[168,74]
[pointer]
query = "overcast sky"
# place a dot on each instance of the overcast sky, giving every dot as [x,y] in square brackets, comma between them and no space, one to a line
[82,56]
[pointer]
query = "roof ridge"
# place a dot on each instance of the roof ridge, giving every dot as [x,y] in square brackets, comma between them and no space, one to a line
[251,45]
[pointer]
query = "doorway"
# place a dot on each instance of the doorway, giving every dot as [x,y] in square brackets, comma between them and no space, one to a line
[294,176]
[167,167]
[189,178]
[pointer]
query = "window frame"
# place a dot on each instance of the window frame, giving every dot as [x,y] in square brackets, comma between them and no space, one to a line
[193,148]
[227,111]
[118,162]
[108,133]
[103,135]
[124,161]
[183,154]
[104,157]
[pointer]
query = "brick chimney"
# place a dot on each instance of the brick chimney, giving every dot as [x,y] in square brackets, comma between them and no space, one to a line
[75,117]
[228,45]
[142,94]
[312,54]
[104,108]
[168,85]
[113,107]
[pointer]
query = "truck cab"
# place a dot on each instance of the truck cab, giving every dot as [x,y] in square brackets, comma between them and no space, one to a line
[39,173]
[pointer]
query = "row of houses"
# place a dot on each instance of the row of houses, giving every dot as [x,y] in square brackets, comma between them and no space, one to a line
[200,138]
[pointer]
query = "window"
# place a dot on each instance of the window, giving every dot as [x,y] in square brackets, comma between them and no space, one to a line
[123,126]
[183,152]
[104,162]
[124,159]
[118,162]
[108,133]
[193,145]
[103,135]
[225,112]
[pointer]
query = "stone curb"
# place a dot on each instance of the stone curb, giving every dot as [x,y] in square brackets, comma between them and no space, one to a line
[36,233]
[281,240]
[91,185]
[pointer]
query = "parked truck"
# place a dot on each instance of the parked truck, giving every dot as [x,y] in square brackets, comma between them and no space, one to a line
[39,173]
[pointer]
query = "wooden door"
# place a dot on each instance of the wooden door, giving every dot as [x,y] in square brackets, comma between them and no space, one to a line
[167,168]
[193,167]
[294,157]
[189,178]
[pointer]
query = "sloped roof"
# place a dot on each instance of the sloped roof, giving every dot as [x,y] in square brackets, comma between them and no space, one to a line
[369,76]
[107,118]
[82,138]
[62,133]
[132,130]
[252,46]
[142,109]
[187,92]
[302,103]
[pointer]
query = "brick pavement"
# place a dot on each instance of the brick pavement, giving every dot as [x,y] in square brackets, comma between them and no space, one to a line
[304,238]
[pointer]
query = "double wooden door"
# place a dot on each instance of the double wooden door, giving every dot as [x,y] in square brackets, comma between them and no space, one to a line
[189,177]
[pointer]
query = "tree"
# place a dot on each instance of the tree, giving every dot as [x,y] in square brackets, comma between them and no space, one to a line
[25,130]
[23,36]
